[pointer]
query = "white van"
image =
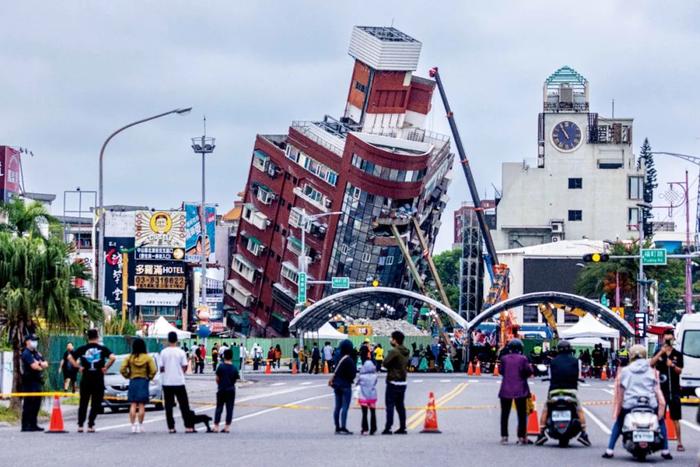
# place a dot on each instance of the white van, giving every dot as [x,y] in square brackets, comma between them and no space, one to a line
[688,343]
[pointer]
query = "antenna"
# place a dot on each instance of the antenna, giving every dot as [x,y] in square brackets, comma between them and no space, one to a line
[392,22]
[613,108]
[205,125]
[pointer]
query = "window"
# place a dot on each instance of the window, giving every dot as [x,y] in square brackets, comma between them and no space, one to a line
[254,246]
[691,344]
[570,318]
[636,188]
[261,161]
[530,313]
[360,87]
[296,219]
[389,260]
[312,193]
[265,195]
[356,193]
[292,153]
[575,183]
[344,248]
[366,257]
[633,217]
[289,272]
[575,215]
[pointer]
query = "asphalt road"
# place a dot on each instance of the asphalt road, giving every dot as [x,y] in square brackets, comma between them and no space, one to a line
[286,420]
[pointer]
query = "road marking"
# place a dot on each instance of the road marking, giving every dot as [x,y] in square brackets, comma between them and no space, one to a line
[611,385]
[416,381]
[306,383]
[612,393]
[585,385]
[597,421]
[445,380]
[472,380]
[210,407]
[690,425]
[278,384]
[274,409]
[415,420]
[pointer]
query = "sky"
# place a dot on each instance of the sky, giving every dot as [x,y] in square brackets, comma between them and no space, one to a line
[75,71]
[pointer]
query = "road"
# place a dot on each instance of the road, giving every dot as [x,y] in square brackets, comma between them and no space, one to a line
[284,420]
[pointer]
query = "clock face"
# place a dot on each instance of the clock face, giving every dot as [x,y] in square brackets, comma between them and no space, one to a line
[566,136]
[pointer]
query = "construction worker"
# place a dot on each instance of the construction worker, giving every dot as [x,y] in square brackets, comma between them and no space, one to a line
[379,357]
[564,374]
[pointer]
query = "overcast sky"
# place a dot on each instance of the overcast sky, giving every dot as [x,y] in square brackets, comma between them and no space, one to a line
[74,71]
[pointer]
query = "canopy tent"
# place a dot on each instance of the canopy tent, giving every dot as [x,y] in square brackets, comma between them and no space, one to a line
[161,328]
[588,326]
[589,342]
[327,331]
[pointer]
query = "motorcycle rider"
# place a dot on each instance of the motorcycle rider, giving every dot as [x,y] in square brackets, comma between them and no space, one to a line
[564,374]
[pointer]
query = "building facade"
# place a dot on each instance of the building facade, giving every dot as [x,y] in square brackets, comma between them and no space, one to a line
[586,182]
[356,175]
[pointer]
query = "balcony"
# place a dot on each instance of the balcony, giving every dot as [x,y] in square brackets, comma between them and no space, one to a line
[321,206]
[239,293]
[244,267]
[254,217]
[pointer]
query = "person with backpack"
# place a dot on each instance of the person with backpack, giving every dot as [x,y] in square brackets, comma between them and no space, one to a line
[139,368]
[226,377]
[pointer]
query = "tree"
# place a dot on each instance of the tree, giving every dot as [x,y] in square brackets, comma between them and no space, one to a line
[27,218]
[646,158]
[447,265]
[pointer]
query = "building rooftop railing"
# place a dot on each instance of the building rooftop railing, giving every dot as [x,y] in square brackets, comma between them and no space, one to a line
[315,132]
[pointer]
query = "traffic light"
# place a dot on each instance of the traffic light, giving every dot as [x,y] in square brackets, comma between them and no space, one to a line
[374,282]
[596,258]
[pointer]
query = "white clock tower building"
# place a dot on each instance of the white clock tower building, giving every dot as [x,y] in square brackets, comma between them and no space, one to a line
[585,183]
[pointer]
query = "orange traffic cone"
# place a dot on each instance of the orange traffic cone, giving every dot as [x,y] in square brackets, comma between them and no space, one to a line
[603,374]
[670,428]
[325,368]
[56,424]
[533,421]
[496,371]
[268,368]
[477,372]
[294,367]
[430,425]
[470,369]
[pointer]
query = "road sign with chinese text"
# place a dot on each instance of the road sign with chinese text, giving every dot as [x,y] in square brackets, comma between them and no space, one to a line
[340,282]
[654,257]
[301,285]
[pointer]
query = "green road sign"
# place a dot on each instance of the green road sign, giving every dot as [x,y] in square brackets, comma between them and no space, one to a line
[340,282]
[409,313]
[301,285]
[654,257]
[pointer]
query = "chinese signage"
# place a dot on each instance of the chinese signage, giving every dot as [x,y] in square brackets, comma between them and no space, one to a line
[301,285]
[340,283]
[159,235]
[10,168]
[654,257]
[160,276]
[193,232]
[114,270]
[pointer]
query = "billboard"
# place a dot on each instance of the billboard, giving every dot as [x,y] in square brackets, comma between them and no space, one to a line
[164,275]
[114,270]
[193,232]
[159,235]
[10,173]
[119,223]
[215,291]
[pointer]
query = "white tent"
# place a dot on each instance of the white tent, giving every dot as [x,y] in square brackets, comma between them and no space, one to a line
[327,331]
[161,328]
[590,342]
[588,326]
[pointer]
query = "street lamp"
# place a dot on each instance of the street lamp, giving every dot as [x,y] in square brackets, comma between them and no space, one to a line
[99,254]
[203,145]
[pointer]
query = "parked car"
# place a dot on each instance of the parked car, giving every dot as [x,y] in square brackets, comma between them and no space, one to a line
[117,387]
[688,342]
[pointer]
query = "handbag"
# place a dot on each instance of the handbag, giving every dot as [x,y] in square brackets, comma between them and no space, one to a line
[331,381]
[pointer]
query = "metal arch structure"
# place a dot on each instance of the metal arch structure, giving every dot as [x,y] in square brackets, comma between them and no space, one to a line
[313,317]
[605,313]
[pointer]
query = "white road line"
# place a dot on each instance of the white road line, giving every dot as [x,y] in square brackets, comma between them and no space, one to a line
[612,393]
[278,384]
[611,385]
[273,409]
[472,380]
[690,425]
[445,380]
[585,385]
[416,381]
[306,383]
[210,407]
[597,421]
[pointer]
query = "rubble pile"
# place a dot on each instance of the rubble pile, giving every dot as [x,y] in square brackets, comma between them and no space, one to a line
[384,327]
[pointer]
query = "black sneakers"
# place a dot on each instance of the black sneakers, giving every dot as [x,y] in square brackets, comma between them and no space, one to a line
[583,439]
[541,439]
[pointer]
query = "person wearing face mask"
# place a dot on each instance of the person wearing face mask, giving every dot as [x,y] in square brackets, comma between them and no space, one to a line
[32,366]
[669,363]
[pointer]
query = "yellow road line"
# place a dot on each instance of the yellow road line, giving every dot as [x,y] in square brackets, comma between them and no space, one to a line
[415,420]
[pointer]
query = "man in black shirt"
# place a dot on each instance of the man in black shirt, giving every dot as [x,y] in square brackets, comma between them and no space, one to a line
[564,374]
[669,363]
[32,365]
[93,360]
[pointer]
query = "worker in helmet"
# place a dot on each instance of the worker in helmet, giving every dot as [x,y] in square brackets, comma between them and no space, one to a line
[564,375]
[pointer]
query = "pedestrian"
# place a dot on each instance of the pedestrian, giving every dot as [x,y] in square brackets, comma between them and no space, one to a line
[70,373]
[304,358]
[328,356]
[173,365]
[202,358]
[139,368]
[271,357]
[94,360]
[341,382]
[278,355]
[367,381]
[226,377]
[515,369]
[32,366]
[197,354]
[396,364]
[638,379]
[669,363]
[222,348]
[242,355]
[379,357]
[215,356]
[315,359]
[257,356]
[295,355]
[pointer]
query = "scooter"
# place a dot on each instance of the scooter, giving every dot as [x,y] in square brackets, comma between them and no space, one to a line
[641,434]
[562,423]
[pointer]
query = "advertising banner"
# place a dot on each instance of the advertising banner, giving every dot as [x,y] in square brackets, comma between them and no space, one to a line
[168,275]
[10,173]
[114,270]
[193,243]
[119,223]
[159,235]
[215,291]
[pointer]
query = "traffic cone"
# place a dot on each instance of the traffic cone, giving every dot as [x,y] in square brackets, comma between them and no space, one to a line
[533,421]
[470,369]
[430,425]
[294,367]
[325,368]
[477,372]
[496,371]
[603,375]
[670,428]
[268,368]
[56,424]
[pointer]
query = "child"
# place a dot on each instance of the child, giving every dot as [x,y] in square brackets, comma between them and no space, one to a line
[226,377]
[368,392]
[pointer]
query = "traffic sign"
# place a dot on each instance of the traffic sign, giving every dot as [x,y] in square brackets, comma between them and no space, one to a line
[340,283]
[654,257]
[301,285]
[604,300]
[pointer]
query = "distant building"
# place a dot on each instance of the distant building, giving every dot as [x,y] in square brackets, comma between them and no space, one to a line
[376,165]
[585,183]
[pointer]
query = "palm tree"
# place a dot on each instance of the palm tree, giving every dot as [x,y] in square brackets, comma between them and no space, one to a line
[26,218]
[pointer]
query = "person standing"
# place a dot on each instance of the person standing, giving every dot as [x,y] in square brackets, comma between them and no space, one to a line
[515,369]
[328,355]
[70,373]
[226,377]
[202,358]
[215,356]
[139,368]
[669,363]
[341,382]
[315,359]
[257,356]
[94,360]
[396,364]
[367,381]
[295,355]
[33,366]
[379,357]
[242,355]
[278,355]
[173,363]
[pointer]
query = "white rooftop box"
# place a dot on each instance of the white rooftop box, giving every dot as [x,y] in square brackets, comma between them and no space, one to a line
[384,48]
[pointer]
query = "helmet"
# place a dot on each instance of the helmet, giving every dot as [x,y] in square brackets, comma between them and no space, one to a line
[564,347]
[515,345]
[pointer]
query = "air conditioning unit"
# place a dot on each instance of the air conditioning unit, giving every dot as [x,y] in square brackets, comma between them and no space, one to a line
[556,238]
[557,227]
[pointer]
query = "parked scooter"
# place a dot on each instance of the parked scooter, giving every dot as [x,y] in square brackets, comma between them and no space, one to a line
[562,423]
[641,434]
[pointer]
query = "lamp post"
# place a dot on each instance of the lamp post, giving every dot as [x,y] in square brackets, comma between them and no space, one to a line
[203,145]
[99,254]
